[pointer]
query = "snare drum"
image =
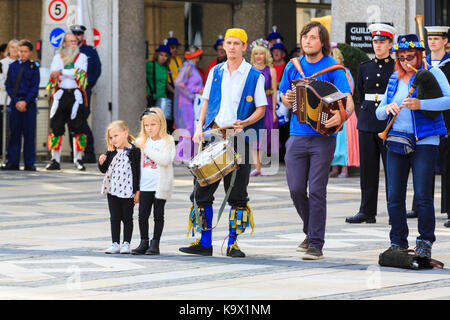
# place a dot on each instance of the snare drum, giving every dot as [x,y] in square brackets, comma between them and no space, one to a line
[214,162]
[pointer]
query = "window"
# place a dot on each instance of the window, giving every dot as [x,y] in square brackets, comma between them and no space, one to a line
[307,9]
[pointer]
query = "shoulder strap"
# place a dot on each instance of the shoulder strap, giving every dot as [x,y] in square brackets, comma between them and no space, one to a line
[333,67]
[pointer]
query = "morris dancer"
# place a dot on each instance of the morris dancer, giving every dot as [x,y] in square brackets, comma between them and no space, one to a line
[309,154]
[68,80]
[234,95]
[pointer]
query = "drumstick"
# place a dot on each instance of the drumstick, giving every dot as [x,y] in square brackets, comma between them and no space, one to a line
[213,130]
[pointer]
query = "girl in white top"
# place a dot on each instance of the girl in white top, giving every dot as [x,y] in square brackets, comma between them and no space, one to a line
[12,52]
[156,183]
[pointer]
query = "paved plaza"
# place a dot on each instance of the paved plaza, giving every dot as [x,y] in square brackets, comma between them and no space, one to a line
[54,228]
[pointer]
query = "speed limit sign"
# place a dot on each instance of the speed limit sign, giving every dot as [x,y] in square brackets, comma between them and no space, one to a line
[57,11]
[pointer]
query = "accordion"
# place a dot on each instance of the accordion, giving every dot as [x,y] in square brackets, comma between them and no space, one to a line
[314,102]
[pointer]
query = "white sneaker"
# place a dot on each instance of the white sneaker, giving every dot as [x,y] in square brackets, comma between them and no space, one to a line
[125,248]
[115,248]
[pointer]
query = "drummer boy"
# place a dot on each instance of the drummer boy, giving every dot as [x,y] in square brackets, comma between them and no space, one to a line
[233,96]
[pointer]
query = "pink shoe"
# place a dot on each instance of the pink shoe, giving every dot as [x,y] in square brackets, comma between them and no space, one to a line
[255,173]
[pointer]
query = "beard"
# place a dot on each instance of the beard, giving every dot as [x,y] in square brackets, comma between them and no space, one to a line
[68,54]
[312,54]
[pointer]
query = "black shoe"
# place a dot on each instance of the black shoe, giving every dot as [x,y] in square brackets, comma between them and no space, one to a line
[89,158]
[29,167]
[411,214]
[80,166]
[360,218]
[197,248]
[143,246]
[234,251]
[53,165]
[154,248]
[11,167]
[447,224]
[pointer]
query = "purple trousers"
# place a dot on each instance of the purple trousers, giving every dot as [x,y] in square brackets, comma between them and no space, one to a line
[308,160]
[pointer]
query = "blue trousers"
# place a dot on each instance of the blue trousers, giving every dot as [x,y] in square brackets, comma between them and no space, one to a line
[422,162]
[308,160]
[22,124]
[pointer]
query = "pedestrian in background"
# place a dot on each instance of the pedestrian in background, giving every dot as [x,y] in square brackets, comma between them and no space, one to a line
[346,153]
[93,73]
[22,85]
[11,55]
[262,60]
[188,84]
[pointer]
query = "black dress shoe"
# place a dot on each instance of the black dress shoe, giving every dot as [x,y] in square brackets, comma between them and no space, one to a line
[11,167]
[197,248]
[411,214]
[29,167]
[143,246]
[360,218]
[447,224]
[53,165]
[235,252]
[153,249]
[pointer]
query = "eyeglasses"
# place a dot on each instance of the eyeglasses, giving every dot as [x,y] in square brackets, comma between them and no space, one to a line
[407,58]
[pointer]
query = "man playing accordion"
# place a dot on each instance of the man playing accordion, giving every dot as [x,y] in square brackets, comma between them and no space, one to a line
[308,153]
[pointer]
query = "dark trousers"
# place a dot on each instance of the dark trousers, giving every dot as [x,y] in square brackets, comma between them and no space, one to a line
[238,195]
[422,162]
[444,152]
[121,210]
[86,129]
[308,159]
[22,124]
[370,149]
[63,115]
[147,199]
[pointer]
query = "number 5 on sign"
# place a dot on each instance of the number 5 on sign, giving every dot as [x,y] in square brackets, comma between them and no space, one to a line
[56,11]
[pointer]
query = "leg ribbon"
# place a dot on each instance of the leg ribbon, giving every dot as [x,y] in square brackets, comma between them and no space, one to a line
[54,142]
[80,142]
[240,219]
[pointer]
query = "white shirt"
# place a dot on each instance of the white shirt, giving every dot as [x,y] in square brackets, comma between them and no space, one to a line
[5,66]
[232,87]
[149,168]
[68,77]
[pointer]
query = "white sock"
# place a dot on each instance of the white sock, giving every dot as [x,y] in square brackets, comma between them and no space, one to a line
[77,155]
[56,155]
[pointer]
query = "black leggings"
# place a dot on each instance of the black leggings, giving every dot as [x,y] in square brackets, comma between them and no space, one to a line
[146,200]
[121,209]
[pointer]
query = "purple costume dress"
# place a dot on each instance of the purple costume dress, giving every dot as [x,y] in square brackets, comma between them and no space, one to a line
[268,117]
[187,84]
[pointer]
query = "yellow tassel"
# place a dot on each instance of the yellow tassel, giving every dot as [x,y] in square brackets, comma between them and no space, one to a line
[190,223]
[251,220]
[233,214]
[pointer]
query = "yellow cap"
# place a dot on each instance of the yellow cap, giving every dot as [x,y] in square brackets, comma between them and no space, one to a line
[237,33]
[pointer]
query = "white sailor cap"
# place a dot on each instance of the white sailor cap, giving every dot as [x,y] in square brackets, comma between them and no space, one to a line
[381,31]
[437,31]
[77,28]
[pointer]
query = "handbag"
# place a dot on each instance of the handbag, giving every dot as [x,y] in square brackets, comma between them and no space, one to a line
[401,142]
[151,101]
[407,259]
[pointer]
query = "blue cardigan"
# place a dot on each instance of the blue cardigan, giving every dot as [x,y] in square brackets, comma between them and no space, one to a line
[423,126]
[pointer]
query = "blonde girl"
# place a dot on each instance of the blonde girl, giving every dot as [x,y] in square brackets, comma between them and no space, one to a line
[121,163]
[262,60]
[156,184]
